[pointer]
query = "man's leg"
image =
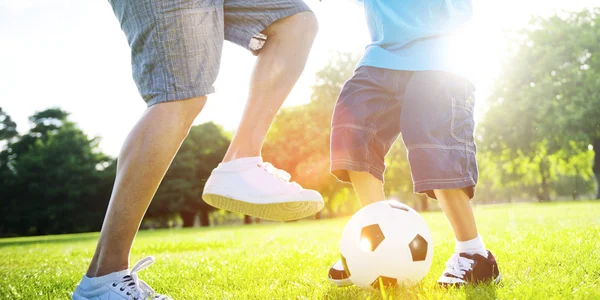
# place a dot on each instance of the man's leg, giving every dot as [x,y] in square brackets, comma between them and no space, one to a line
[278,66]
[143,162]
[243,182]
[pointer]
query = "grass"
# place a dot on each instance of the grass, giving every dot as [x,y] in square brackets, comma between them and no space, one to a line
[545,251]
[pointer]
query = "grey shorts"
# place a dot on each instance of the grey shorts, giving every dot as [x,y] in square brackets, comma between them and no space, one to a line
[176,44]
[433,111]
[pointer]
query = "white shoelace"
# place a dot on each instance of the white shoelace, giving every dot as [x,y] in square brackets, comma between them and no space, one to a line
[281,174]
[136,288]
[458,265]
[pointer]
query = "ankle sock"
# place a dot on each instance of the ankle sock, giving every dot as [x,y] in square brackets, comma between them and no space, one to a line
[471,247]
[111,277]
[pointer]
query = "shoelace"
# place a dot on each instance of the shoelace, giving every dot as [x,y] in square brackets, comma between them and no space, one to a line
[137,288]
[281,174]
[458,265]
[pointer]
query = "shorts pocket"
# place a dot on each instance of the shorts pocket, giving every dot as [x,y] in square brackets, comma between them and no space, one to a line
[462,127]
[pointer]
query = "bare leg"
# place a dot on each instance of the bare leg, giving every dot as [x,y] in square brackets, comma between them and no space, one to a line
[368,188]
[143,162]
[278,66]
[457,207]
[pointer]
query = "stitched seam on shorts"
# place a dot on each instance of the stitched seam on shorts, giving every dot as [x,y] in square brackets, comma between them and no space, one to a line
[433,146]
[441,147]
[359,127]
[452,180]
[373,134]
[353,126]
[159,50]
[452,122]
[353,163]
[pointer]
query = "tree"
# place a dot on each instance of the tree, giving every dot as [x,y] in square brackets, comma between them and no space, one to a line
[54,179]
[180,192]
[545,105]
[8,128]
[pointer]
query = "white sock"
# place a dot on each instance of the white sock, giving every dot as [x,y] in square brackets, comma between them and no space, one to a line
[95,281]
[474,246]
[240,162]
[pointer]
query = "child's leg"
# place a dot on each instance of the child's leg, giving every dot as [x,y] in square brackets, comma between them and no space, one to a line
[457,206]
[368,188]
[365,125]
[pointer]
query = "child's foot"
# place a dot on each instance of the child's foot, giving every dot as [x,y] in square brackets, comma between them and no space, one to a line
[258,189]
[464,269]
[338,276]
[118,285]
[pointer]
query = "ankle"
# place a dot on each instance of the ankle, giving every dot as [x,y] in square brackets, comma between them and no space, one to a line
[103,267]
[471,247]
[239,154]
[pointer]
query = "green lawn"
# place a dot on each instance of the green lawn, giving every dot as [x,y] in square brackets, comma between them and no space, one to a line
[544,251]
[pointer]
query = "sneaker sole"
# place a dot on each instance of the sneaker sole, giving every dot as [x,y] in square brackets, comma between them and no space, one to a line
[285,211]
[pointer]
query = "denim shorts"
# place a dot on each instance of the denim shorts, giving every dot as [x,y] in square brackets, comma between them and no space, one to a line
[434,112]
[176,44]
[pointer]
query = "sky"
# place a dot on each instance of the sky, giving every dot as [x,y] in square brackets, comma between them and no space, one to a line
[72,54]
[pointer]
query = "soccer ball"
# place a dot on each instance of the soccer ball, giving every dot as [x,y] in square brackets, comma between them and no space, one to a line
[386,243]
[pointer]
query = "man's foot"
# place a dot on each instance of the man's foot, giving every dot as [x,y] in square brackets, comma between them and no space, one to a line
[118,285]
[338,275]
[258,189]
[464,269]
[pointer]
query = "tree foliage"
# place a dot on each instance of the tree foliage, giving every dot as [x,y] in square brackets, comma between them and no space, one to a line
[180,192]
[54,179]
[544,110]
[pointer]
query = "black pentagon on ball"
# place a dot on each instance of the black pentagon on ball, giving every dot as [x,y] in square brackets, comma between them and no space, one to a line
[345,266]
[418,248]
[397,205]
[373,234]
[385,281]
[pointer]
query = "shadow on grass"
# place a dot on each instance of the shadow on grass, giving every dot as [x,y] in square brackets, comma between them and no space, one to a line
[50,239]
[482,291]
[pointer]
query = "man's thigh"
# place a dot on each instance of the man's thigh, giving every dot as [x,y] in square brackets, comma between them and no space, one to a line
[175,46]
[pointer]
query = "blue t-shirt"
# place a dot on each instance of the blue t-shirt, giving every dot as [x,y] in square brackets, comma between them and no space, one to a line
[415,35]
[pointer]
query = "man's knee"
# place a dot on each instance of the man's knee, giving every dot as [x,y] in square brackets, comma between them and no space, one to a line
[301,24]
[182,112]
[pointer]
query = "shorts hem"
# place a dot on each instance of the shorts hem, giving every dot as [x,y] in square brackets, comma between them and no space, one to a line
[340,168]
[243,37]
[427,186]
[169,97]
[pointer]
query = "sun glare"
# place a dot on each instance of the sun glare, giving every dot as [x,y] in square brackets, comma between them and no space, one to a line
[365,244]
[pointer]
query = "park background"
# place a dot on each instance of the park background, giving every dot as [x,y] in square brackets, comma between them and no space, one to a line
[67,102]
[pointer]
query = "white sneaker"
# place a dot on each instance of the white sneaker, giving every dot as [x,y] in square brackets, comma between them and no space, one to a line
[258,189]
[118,285]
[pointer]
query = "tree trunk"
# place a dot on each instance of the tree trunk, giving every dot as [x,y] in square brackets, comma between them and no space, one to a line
[204,218]
[596,168]
[598,185]
[247,219]
[543,194]
[318,216]
[188,218]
